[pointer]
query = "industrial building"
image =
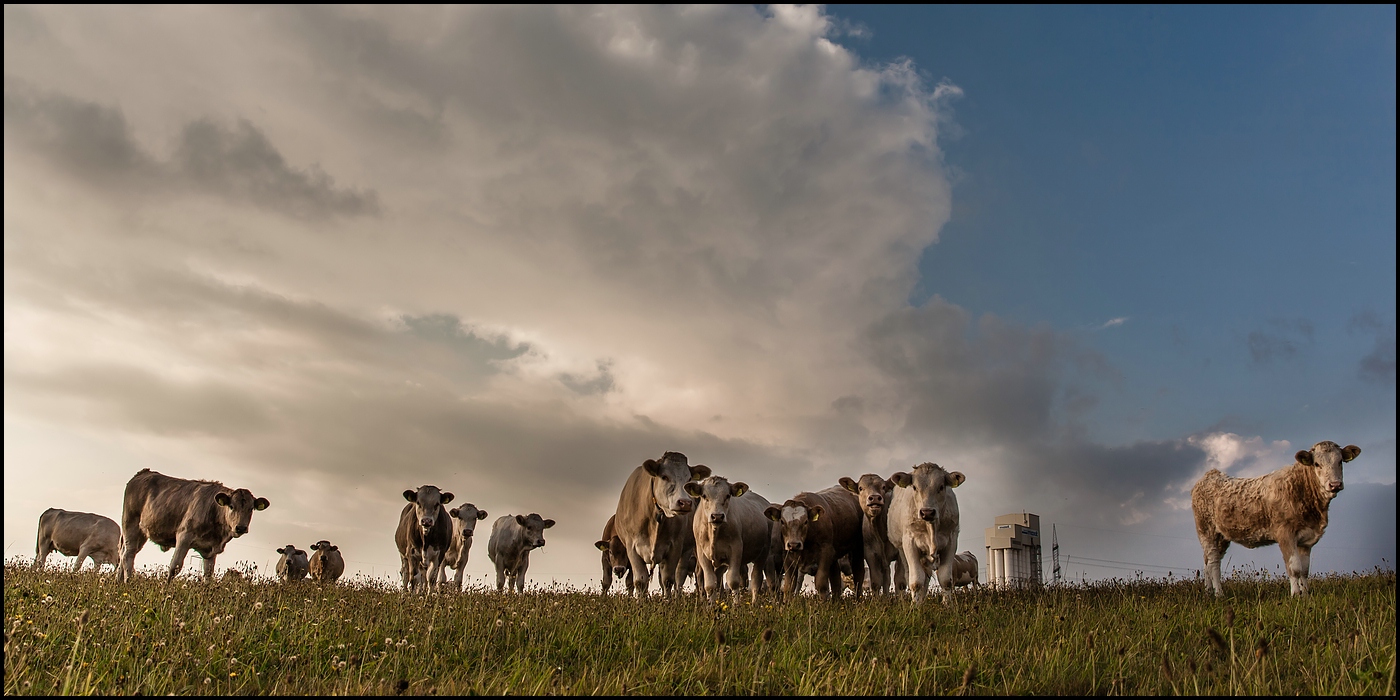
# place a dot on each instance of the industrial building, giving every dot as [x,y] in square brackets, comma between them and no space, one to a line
[1013,551]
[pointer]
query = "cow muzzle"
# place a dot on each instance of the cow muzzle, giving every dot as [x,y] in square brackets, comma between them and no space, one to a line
[1335,486]
[427,523]
[928,514]
[716,518]
[240,530]
[619,571]
[794,546]
[684,506]
[539,542]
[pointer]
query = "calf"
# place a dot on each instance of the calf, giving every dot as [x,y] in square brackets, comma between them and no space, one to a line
[731,531]
[293,566]
[463,527]
[818,529]
[326,564]
[423,536]
[184,514]
[924,524]
[615,562]
[512,538]
[653,518]
[1288,507]
[81,535]
[965,569]
[874,494]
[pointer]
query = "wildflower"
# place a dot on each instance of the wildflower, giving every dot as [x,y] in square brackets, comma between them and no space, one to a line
[211,647]
[342,646]
[257,605]
[231,674]
[206,681]
[499,622]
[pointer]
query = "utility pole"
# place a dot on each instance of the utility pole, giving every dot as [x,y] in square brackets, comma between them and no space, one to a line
[1055,552]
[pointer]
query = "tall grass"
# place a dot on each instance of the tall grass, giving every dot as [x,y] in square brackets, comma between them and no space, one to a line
[85,633]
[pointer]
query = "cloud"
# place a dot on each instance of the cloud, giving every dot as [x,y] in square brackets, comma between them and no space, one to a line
[1377,366]
[1283,342]
[1113,322]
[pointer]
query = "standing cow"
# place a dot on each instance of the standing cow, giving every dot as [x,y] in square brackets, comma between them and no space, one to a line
[463,528]
[1288,507]
[81,535]
[512,538]
[965,569]
[423,536]
[184,514]
[818,529]
[731,530]
[327,565]
[615,562]
[874,494]
[653,518]
[924,526]
[293,564]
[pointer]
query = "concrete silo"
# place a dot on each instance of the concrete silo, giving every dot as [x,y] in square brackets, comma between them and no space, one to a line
[1013,551]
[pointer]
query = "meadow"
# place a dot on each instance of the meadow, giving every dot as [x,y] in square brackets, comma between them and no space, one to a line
[85,633]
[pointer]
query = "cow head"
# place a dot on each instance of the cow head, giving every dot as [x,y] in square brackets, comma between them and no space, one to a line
[464,520]
[712,496]
[238,509]
[668,479]
[930,485]
[1326,459]
[324,547]
[426,502]
[793,517]
[617,555]
[534,529]
[297,563]
[871,491]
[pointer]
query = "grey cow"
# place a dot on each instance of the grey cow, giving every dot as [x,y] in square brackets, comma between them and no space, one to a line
[423,536]
[874,495]
[512,538]
[293,565]
[327,565]
[81,535]
[464,521]
[184,514]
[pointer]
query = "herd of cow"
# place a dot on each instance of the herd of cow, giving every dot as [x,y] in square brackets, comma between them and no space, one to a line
[675,520]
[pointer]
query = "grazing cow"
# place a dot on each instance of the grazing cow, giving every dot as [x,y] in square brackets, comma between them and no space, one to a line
[423,536]
[818,529]
[463,527]
[873,494]
[923,526]
[512,538]
[293,565]
[1288,507]
[81,535]
[326,564]
[615,562]
[184,514]
[653,518]
[965,569]
[730,531]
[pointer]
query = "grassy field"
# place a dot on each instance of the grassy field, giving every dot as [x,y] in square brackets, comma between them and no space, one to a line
[85,633]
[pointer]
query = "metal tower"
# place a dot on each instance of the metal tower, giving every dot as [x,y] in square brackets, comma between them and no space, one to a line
[1055,553]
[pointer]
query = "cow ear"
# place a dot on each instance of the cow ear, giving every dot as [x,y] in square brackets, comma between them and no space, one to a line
[549,523]
[335,548]
[261,503]
[699,472]
[222,499]
[447,498]
[815,513]
[1304,457]
[281,550]
[602,545]
[481,515]
[849,484]
[901,479]
[314,547]
[738,489]
[773,513]
[520,519]
[694,489]
[454,512]
[1350,452]
[652,467]
[410,495]
[955,479]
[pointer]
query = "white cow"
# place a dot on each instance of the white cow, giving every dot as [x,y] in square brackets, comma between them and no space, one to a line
[731,531]
[923,526]
[512,538]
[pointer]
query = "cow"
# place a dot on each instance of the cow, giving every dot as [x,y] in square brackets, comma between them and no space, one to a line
[730,531]
[923,526]
[293,565]
[463,527]
[653,519]
[615,562]
[964,569]
[512,538]
[873,494]
[423,536]
[327,565]
[184,514]
[81,535]
[818,529]
[1287,507]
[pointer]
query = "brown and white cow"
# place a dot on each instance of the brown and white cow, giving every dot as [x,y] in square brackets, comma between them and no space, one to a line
[327,565]
[818,529]
[873,494]
[731,531]
[423,536]
[615,562]
[293,565]
[512,538]
[184,514]
[1288,507]
[653,518]
[81,535]
[464,521]
[924,525]
[964,569]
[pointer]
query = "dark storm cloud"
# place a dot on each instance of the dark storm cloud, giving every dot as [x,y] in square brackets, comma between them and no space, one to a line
[94,143]
[599,383]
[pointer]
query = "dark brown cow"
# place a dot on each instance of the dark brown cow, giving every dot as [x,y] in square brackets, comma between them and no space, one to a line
[653,518]
[423,536]
[327,565]
[184,514]
[873,494]
[81,535]
[818,529]
[615,562]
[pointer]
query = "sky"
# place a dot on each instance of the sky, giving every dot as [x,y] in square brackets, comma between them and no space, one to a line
[1081,255]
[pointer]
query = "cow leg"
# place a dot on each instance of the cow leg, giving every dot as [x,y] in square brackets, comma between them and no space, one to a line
[41,552]
[131,544]
[878,578]
[857,572]
[755,581]
[914,569]
[461,569]
[901,579]
[667,573]
[607,573]
[1296,560]
[793,575]
[404,573]
[706,567]
[78,563]
[177,560]
[1213,546]
[641,575]
[209,566]
[945,575]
